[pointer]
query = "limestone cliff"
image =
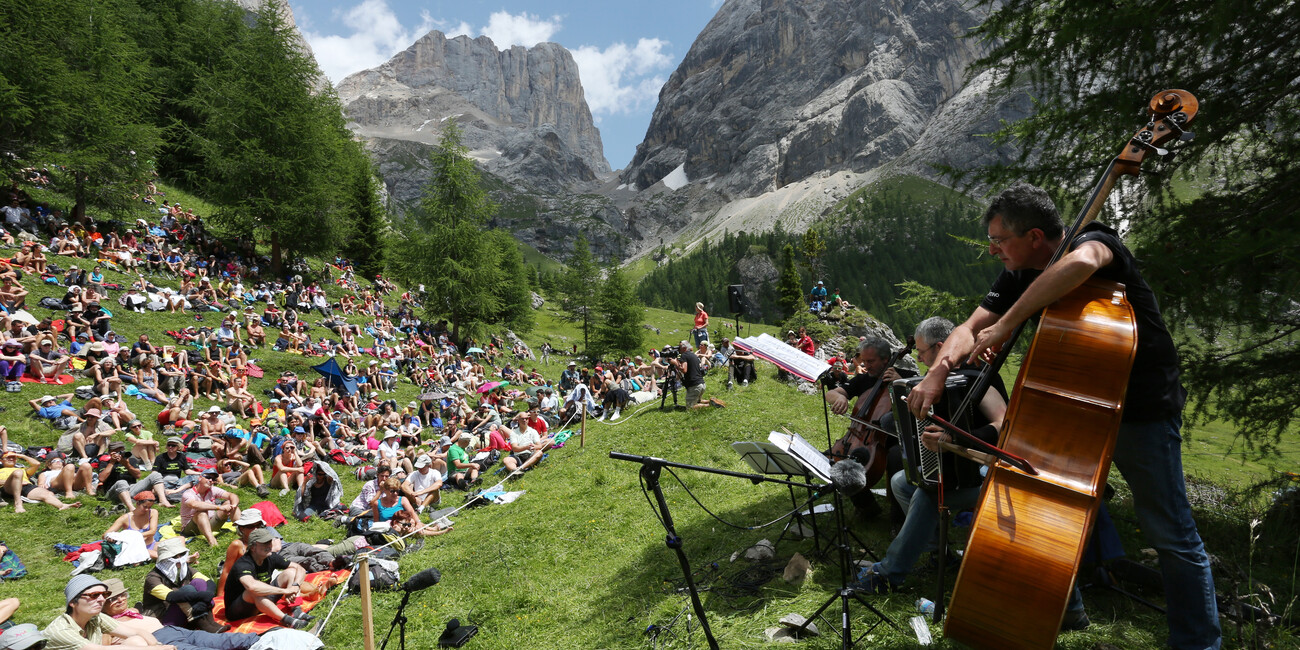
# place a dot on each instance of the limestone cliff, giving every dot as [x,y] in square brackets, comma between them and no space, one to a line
[522,111]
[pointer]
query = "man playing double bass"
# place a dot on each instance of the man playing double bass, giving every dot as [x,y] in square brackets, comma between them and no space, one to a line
[873,359]
[1024,231]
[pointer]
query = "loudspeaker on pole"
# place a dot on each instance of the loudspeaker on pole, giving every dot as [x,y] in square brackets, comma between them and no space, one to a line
[736,298]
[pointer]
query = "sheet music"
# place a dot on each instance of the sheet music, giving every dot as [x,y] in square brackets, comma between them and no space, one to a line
[796,446]
[793,359]
[767,458]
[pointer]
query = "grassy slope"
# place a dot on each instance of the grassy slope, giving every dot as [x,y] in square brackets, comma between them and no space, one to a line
[579,561]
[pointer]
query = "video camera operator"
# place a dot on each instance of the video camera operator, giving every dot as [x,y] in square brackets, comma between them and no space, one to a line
[688,365]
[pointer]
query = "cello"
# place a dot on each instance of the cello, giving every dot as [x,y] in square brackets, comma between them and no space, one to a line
[870,407]
[1030,531]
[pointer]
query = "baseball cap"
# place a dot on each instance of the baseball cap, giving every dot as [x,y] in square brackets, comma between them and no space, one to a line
[47,398]
[422,461]
[261,536]
[176,440]
[21,637]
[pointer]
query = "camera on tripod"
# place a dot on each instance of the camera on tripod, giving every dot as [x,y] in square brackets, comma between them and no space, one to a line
[670,352]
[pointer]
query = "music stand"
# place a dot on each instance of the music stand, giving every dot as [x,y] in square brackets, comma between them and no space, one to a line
[767,458]
[817,463]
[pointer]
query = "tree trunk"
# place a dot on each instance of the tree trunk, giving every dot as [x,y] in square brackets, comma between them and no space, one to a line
[277,263]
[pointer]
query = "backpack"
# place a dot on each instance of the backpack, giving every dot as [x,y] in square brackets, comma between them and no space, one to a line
[84,392]
[384,575]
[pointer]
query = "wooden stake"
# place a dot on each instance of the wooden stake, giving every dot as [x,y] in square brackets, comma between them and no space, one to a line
[582,433]
[367,616]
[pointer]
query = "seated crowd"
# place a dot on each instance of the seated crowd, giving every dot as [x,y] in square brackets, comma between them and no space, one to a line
[294,437]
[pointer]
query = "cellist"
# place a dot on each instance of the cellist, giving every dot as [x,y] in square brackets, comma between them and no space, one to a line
[1024,231]
[873,360]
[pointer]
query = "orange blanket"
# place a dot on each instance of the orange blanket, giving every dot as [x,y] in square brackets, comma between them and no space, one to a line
[314,587]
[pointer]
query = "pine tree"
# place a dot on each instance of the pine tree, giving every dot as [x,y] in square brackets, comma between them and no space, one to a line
[276,154]
[368,241]
[443,244]
[620,318]
[511,285]
[75,95]
[581,286]
[789,287]
[1221,252]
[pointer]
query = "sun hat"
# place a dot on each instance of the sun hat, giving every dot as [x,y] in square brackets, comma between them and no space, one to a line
[46,398]
[390,434]
[116,445]
[92,413]
[171,547]
[115,587]
[176,440]
[78,584]
[214,409]
[211,472]
[249,517]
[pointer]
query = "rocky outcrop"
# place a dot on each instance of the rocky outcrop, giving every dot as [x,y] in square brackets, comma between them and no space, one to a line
[522,111]
[775,91]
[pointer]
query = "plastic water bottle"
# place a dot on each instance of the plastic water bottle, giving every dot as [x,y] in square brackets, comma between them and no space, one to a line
[925,606]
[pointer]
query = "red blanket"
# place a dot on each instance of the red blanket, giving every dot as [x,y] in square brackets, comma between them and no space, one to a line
[314,588]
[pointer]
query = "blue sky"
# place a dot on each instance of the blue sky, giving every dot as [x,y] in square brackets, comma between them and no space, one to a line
[625,50]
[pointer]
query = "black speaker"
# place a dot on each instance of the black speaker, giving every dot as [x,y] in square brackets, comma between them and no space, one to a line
[736,298]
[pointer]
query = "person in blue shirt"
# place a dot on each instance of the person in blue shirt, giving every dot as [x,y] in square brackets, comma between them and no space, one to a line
[817,297]
[53,408]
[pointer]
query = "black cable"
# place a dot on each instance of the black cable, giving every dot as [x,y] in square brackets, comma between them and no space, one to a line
[727,523]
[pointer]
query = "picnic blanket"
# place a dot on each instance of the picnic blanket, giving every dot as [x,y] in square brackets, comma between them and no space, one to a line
[314,588]
[61,380]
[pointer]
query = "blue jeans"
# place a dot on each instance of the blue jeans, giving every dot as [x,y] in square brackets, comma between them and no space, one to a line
[917,534]
[1149,456]
[185,639]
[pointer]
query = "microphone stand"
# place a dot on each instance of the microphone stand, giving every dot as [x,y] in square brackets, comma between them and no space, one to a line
[398,620]
[650,470]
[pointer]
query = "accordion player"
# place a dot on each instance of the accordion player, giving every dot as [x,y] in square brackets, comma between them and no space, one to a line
[923,466]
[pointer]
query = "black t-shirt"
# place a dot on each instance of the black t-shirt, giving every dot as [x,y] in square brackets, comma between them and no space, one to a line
[693,375]
[245,566]
[320,497]
[1154,389]
[168,466]
[862,382]
[119,471]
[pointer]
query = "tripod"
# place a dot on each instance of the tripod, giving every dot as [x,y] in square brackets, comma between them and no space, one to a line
[672,378]
[846,592]
[650,469]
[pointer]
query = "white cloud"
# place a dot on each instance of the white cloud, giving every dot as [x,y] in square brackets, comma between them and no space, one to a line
[526,30]
[620,78]
[376,36]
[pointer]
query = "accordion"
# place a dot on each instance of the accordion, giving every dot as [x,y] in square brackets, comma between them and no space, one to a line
[923,466]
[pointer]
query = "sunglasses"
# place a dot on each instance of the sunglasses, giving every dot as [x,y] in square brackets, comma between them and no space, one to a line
[98,595]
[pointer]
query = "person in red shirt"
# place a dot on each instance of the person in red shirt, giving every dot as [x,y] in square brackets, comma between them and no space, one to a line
[806,343]
[701,330]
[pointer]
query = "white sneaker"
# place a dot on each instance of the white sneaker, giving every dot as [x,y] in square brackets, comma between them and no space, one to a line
[284,492]
[744,382]
[616,415]
[601,418]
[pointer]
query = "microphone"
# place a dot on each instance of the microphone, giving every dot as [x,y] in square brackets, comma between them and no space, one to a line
[423,580]
[849,476]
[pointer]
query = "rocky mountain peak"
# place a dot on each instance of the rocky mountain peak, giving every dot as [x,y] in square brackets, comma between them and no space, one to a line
[775,91]
[522,111]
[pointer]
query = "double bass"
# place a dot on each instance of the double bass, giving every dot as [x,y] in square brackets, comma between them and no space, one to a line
[1030,531]
[862,432]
